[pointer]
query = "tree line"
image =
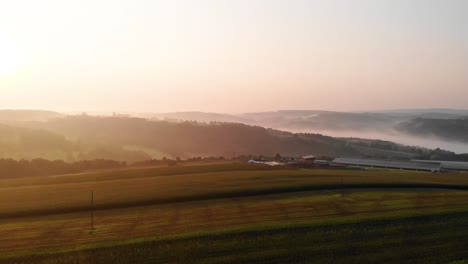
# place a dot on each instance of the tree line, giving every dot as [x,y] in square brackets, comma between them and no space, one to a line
[10,168]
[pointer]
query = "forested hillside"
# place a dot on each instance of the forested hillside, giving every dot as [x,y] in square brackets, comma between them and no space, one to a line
[188,139]
[83,137]
[27,115]
[32,143]
[449,129]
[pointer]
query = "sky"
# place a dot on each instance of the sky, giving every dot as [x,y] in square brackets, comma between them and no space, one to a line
[233,56]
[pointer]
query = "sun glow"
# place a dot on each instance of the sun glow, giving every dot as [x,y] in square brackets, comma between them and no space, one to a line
[10,57]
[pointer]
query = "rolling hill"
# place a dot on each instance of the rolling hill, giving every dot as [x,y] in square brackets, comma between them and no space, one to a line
[189,139]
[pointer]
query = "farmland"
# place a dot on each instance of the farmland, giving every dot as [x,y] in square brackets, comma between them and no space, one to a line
[223,213]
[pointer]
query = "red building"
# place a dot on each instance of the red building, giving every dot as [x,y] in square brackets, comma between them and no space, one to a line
[309,159]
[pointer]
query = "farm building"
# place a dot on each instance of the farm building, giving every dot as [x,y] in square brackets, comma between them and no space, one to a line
[447,165]
[307,159]
[404,165]
[322,162]
[264,162]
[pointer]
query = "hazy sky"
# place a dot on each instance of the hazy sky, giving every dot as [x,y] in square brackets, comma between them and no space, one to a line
[233,56]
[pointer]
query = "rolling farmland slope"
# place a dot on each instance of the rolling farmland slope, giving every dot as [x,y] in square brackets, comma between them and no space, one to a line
[149,209]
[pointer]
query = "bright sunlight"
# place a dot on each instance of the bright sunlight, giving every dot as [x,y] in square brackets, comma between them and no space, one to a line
[9,57]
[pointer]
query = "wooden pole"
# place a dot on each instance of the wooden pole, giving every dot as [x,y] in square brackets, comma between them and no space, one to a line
[92,210]
[342,187]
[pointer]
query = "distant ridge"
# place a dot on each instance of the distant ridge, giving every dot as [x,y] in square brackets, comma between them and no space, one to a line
[441,125]
[201,117]
[12,115]
[425,111]
[429,127]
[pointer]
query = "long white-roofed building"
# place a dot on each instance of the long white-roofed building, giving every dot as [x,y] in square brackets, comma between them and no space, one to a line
[404,165]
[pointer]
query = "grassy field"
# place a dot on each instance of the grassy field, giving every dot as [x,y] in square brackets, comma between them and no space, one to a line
[239,213]
[438,238]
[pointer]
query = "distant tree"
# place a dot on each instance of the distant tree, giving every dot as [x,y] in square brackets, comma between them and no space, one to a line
[278,157]
[41,167]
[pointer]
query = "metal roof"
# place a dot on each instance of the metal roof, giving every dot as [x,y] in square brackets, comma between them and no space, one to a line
[269,163]
[409,165]
[448,165]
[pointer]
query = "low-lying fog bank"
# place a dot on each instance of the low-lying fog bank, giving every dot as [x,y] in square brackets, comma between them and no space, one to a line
[397,137]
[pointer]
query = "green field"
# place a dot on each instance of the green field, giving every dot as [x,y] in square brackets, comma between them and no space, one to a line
[236,213]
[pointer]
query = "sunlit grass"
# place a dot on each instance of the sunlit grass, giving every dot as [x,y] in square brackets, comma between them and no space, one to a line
[141,205]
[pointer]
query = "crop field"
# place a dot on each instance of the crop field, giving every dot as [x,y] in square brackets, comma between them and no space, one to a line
[235,213]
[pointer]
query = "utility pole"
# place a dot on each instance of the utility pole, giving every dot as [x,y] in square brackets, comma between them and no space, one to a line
[342,187]
[92,211]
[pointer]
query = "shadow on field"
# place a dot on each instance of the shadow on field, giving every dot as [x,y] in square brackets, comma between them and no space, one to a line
[242,193]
